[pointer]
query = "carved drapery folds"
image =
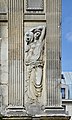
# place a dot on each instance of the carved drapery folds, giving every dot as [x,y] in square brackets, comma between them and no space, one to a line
[34,62]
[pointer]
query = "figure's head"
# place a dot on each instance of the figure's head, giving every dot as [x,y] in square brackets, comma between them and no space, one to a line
[37,34]
[29,37]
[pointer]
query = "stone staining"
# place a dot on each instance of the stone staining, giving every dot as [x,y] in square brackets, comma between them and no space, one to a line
[34,61]
[34,5]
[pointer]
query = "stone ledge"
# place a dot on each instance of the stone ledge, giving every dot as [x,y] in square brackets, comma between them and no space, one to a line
[38,118]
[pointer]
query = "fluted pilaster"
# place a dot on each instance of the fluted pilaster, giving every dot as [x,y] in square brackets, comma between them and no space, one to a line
[15,49]
[53,47]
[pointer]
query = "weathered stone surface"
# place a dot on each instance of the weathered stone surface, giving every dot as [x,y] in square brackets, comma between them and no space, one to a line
[30,78]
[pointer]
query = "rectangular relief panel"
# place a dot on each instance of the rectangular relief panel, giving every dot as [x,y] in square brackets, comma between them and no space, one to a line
[34,10]
[36,5]
[35,63]
[3,6]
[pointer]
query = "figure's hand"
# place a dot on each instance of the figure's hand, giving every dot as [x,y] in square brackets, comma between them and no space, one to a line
[27,48]
[41,27]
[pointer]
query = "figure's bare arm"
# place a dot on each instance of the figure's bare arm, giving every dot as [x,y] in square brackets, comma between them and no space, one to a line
[32,29]
[42,33]
[27,48]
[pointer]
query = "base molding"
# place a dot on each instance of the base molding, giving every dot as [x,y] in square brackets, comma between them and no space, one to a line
[49,113]
[37,118]
[14,111]
[61,110]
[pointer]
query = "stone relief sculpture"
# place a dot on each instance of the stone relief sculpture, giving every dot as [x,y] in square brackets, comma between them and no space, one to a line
[34,61]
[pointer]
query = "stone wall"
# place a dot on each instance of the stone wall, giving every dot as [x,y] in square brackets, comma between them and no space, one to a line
[31,84]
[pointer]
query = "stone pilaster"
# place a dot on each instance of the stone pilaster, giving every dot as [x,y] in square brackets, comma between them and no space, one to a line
[0,57]
[53,50]
[0,50]
[15,52]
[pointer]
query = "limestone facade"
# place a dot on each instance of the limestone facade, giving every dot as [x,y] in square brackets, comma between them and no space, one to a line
[20,17]
[33,87]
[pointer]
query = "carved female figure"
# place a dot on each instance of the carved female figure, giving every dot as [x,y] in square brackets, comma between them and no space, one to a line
[34,56]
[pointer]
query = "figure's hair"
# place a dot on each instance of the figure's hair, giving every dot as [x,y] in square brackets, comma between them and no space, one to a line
[37,30]
[29,33]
